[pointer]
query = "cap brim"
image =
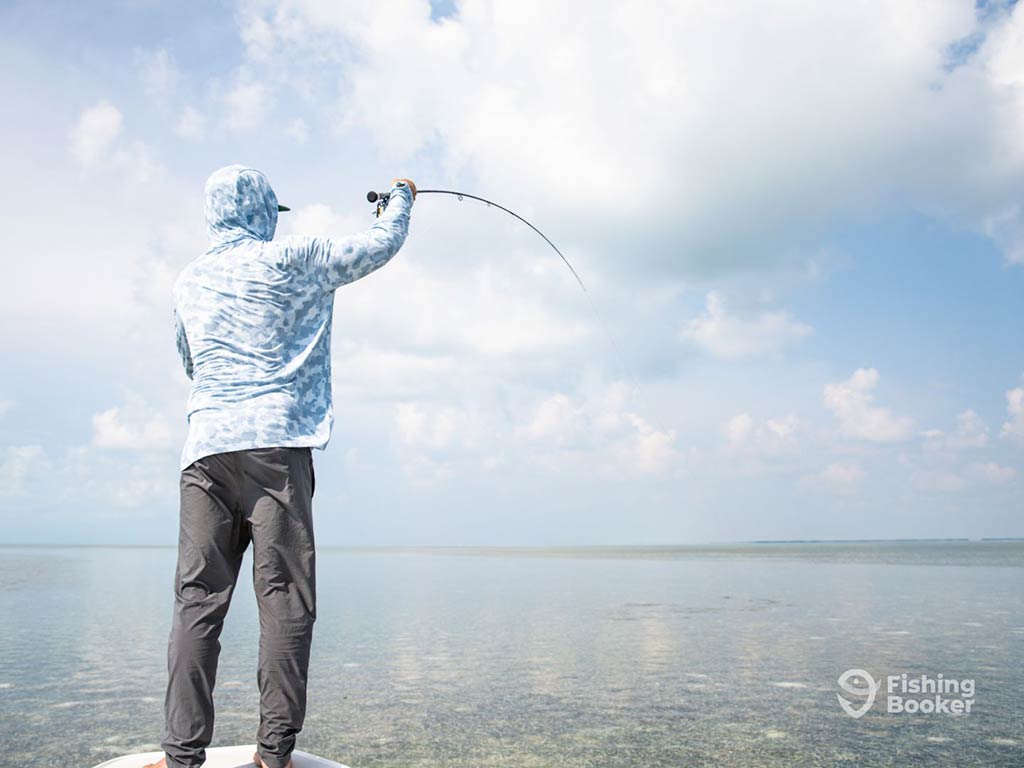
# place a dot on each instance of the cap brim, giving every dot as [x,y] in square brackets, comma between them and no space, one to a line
[283,208]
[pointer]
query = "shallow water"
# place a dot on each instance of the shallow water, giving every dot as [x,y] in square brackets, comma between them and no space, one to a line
[596,657]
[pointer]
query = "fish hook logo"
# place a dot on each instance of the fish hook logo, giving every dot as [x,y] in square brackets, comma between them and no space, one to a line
[848,682]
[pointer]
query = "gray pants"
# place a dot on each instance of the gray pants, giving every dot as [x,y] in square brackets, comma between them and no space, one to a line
[227,500]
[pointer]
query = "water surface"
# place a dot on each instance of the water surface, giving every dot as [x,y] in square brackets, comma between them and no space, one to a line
[617,656]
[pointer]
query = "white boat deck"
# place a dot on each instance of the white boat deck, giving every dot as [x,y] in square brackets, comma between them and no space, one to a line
[222,757]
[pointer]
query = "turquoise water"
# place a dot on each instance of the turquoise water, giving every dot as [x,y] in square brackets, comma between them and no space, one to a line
[573,657]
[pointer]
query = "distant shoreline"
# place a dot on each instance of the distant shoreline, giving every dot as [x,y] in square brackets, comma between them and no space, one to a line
[990,552]
[552,547]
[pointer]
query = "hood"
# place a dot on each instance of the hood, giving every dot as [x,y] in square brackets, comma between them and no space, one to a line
[239,204]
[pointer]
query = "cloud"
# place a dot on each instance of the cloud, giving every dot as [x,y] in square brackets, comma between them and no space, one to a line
[731,337]
[599,429]
[464,346]
[20,462]
[191,124]
[369,373]
[970,432]
[298,130]
[939,481]
[843,477]
[554,420]
[321,219]
[246,105]
[990,473]
[6,406]
[738,429]
[1014,426]
[462,289]
[95,132]
[160,75]
[647,449]
[434,428]
[146,432]
[583,432]
[852,403]
[479,313]
[742,432]
[737,162]
[95,138]
[978,473]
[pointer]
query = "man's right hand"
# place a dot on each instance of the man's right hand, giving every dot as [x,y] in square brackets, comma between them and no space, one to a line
[410,182]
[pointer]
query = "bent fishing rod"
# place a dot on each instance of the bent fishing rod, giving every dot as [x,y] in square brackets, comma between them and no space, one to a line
[382,199]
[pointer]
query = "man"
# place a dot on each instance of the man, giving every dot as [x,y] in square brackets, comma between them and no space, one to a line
[253,321]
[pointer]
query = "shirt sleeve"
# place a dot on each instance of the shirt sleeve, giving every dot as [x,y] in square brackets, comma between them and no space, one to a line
[183,349]
[337,261]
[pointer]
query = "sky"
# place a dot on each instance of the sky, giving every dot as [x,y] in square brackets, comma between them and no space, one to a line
[800,225]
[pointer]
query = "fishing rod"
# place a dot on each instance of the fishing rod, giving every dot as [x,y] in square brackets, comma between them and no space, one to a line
[382,199]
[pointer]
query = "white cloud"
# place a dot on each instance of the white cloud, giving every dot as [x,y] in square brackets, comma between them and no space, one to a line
[783,428]
[117,483]
[95,132]
[720,165]
[978,473]
[147,432]
[21,462]
[95,138]
[191,124]
[160,75]
[601,430]
[298,130]
[5,406]
[593,432]
[246,105]
[990,473]
[554,420]
[729,336]
[840,476]
[435,428]
[852,401]
[773,435]
[476,311]
[82,476]
[939,481]
[1014,426]
[970,432]
[371,373]
[647,449]
[321,219]
[738,428]
[258,35]
[665,94]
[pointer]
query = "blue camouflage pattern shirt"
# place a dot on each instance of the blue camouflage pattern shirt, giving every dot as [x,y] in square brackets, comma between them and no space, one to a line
[253,318]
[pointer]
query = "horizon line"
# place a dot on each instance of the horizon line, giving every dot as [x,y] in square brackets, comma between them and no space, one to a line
[951,539]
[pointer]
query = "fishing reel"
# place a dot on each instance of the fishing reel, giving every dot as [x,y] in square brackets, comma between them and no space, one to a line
[380,198]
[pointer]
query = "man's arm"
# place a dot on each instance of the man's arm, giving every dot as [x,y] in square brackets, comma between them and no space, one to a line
[183,350]
[344,260]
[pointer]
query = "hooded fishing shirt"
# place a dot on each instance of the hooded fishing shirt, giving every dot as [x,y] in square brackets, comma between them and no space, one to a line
[253,318]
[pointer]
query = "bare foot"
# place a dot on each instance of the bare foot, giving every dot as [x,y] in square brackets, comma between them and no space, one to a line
[162,763]
[255,758]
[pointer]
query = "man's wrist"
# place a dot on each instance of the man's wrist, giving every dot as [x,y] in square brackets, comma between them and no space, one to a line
[401,187]
[404,183]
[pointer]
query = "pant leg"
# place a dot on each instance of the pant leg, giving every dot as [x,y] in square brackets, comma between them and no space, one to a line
[278,501]
[212,538]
